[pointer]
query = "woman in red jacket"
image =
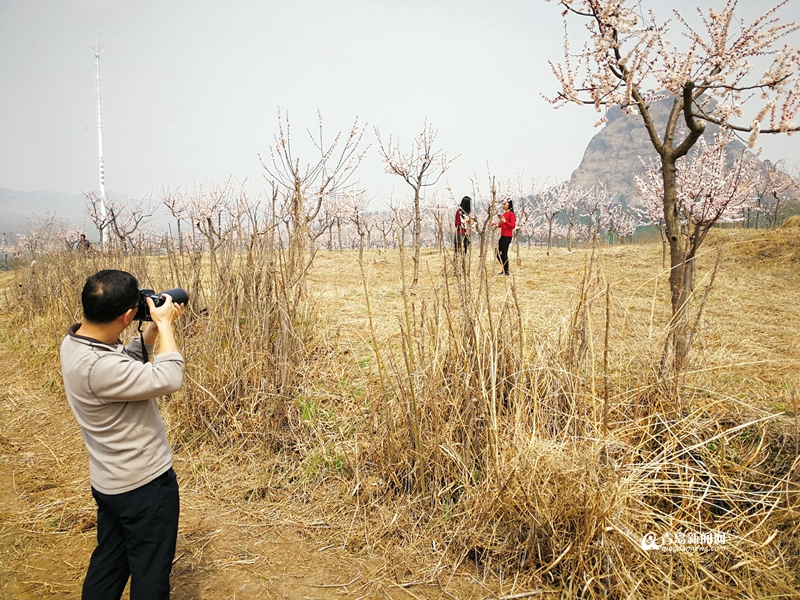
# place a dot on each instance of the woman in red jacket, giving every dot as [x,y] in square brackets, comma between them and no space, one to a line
[507,222]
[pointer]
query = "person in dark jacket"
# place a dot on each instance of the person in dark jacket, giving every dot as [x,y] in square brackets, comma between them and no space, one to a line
[506,222]
[463,221]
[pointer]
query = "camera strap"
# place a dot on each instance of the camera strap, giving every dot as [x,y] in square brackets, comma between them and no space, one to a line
[145,358]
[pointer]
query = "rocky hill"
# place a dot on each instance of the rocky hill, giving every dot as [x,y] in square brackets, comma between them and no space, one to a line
[612,156]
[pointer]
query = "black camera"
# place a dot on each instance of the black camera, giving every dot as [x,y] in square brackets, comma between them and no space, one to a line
[143,313]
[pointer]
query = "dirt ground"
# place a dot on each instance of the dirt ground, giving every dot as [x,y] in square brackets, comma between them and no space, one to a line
[47,526]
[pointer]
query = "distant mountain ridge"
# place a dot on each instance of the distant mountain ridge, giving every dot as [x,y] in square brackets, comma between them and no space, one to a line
[19,209]
[612,155]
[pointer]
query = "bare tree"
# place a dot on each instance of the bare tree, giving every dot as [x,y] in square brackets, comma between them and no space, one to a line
[317,228]
[572,203]
[531,222]
[421,167]
[305,188]
[214,213]
[483,208]
[123,218]
[97,213]
[357,204]
[402,215]
[436,209]
[597,202]
[126,218]
[178,206]
[332,212]
[384,223]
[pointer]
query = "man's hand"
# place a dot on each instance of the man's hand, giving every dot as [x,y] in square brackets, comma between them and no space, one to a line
[166,313]
[163,317]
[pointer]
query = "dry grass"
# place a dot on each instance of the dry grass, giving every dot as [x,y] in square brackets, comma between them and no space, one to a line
[515,430]
[793,221]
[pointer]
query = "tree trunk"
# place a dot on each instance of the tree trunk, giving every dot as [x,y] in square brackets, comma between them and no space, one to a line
[664,245]
[777,205]
[681,275]
[297,240]
[569,237]
[758,211]
[417,235]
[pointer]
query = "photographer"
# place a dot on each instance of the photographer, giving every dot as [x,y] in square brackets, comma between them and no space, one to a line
[506,222]
[112,393]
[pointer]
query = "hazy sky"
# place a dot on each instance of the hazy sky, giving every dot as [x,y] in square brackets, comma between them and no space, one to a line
[191,88]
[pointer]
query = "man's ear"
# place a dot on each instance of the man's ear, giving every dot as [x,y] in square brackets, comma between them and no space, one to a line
[127,316]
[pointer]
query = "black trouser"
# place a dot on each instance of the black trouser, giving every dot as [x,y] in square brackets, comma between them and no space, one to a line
[136,535]
[502,252]
[461,242]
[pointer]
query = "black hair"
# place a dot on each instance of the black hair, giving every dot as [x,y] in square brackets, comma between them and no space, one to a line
[107,294]
[510,203]
[466,204]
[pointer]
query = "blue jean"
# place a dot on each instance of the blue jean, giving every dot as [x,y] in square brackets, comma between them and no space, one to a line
[136,536]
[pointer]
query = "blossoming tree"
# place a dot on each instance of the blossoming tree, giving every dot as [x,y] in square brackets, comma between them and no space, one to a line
[550,201]
[710,188]
[778,181]
[629,58]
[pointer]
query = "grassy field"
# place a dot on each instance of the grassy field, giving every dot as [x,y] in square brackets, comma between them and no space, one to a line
[465,437]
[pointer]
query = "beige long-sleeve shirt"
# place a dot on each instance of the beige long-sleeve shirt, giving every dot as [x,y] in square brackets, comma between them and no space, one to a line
[113,397]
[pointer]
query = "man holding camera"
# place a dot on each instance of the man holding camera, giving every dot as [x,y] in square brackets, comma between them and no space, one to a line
[112,393]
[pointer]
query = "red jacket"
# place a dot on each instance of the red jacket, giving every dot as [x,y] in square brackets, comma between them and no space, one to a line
[507,227]
[461,222]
